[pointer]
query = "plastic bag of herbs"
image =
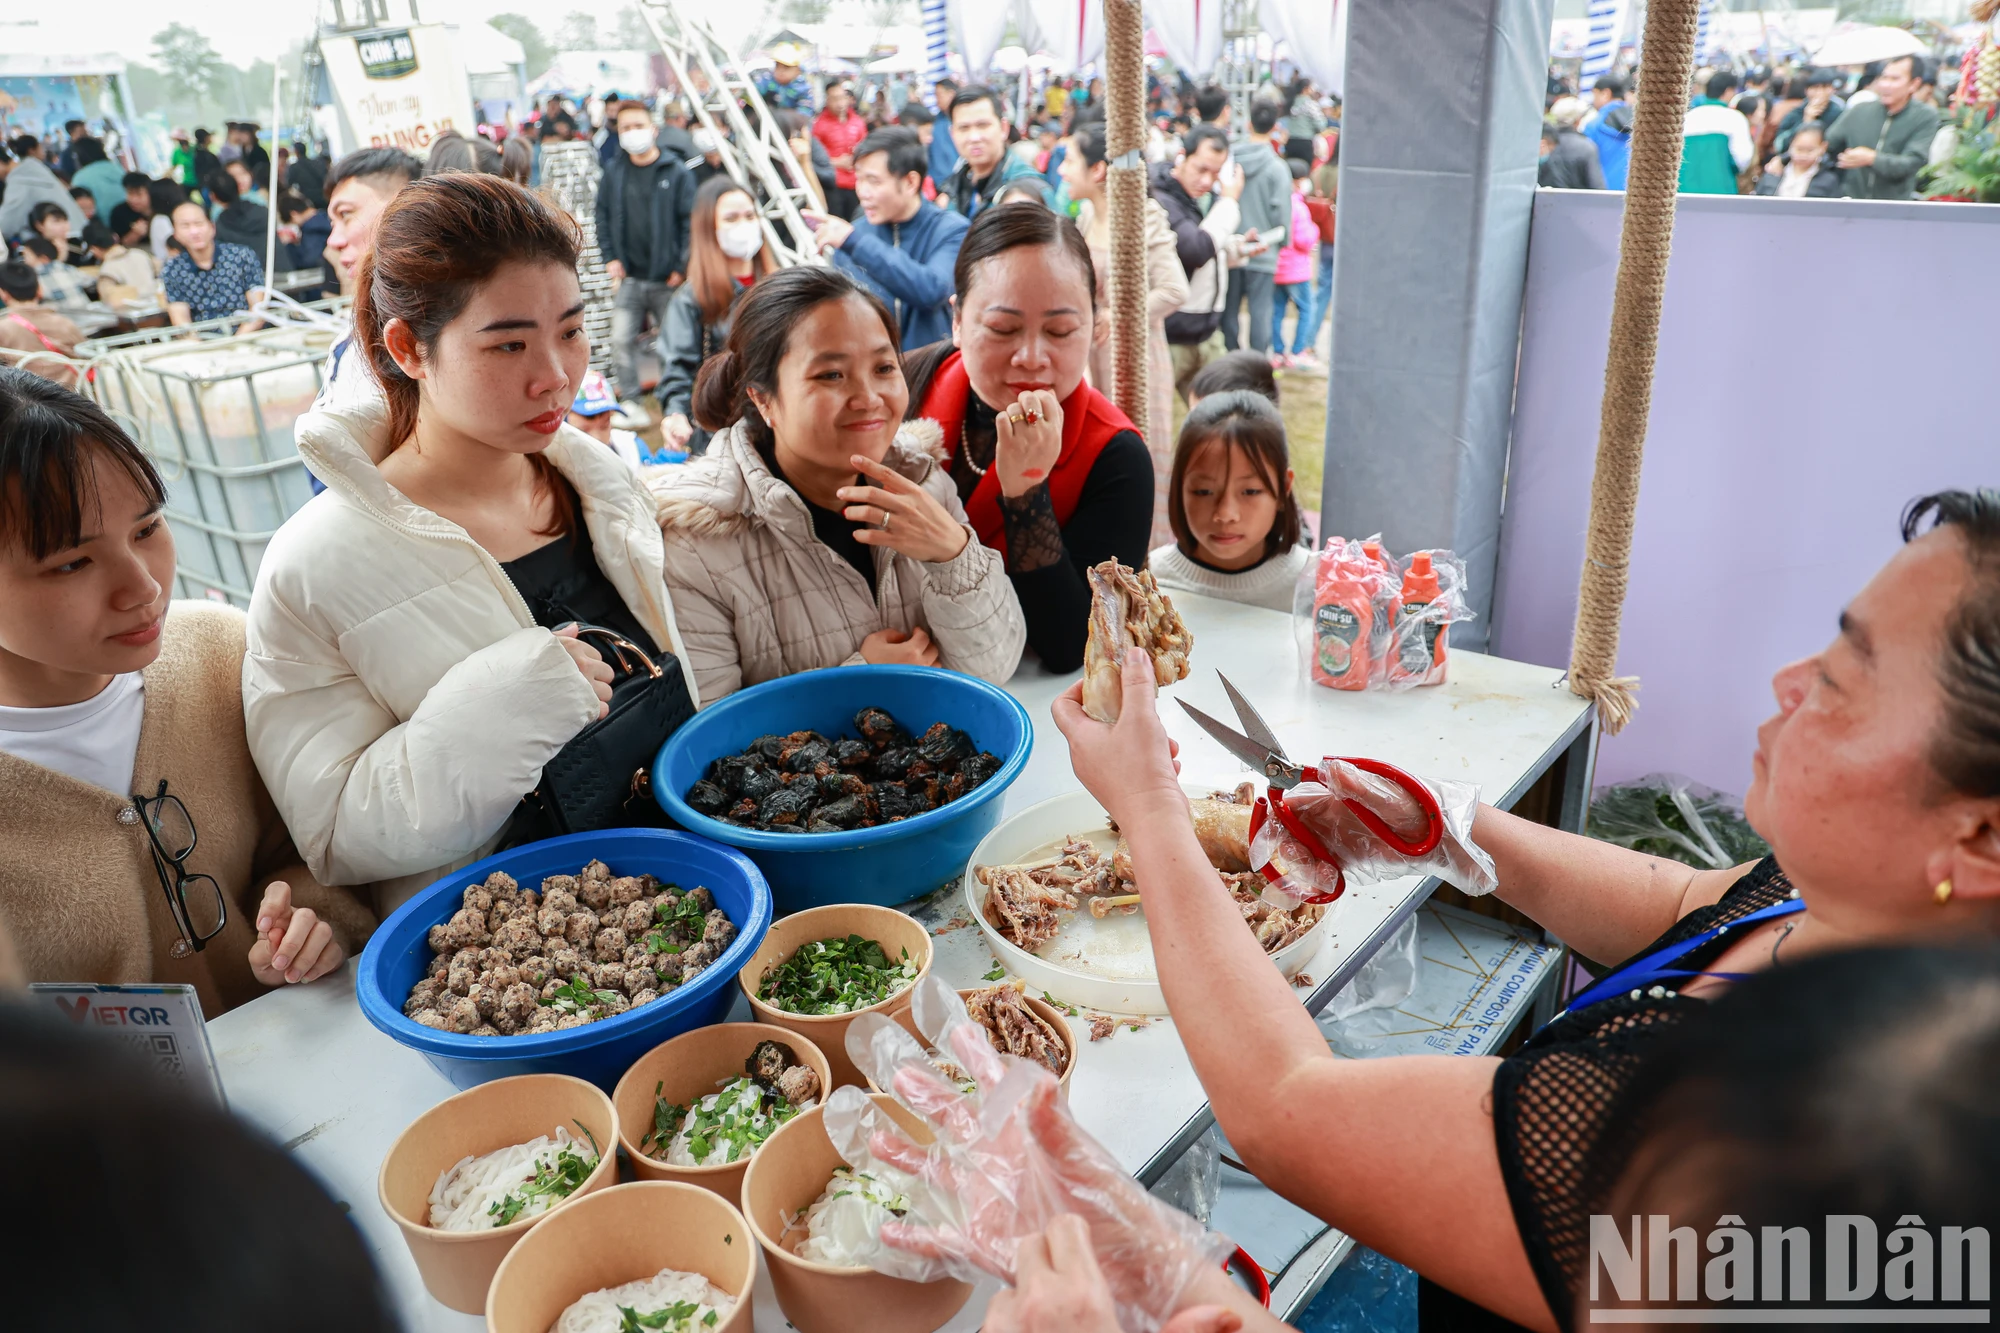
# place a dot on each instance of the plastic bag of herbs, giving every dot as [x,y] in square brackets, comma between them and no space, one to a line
[1664,814]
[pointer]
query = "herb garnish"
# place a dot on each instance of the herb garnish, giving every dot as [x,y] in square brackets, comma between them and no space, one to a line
[737,1119]
[574,996]
[836,976]
[675,1318]
[999,971]
[555,1180]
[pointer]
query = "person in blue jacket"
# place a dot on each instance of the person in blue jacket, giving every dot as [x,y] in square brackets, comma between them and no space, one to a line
[902,247]
[1609,126]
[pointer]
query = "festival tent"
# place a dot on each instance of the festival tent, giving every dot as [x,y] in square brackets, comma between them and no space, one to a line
[41,87]
[1856,45]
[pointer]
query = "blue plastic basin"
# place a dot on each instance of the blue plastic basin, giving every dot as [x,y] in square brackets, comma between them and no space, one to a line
[887,864]
[399,955]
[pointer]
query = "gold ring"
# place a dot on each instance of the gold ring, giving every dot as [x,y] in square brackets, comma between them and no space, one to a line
[1014,415]
[886,516]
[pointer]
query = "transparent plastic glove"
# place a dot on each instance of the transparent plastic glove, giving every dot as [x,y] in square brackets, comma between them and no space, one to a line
[1296,873]
[1007,1162]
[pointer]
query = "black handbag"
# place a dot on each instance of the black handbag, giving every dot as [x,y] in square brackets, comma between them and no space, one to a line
[603,777]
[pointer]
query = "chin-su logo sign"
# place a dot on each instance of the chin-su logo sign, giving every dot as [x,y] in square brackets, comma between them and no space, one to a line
[1850,1271]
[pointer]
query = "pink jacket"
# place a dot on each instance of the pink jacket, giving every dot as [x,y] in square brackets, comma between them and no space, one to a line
[1295,259]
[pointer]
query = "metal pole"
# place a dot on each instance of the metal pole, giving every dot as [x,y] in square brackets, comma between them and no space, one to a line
[271,213]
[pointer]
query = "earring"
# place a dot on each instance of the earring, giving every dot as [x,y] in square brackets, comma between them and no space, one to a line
[1942,892]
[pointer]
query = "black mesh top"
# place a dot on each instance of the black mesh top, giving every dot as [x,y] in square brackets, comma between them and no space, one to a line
[1553,1098]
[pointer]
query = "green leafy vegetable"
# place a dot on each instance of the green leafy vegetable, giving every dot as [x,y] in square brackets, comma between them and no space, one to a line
[575,995]
[836,976]
[675,1318]
[999,971]
[737,1118]
[555,1179]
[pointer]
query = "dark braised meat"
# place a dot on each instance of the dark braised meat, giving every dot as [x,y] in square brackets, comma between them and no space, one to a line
[804,782]
[769,1060]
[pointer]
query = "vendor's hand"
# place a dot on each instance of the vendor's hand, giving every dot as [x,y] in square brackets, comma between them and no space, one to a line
[1058,1288]
[676,430]
[907,518]
[829,231]
[888,647]
[293,944]
[1027,450]
[593,666]
[1855,157]
[1128,765]
[614,270]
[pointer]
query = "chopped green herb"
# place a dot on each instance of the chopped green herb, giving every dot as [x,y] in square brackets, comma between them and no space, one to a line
[999,971]
[555,1179]
[836,976]
[575,995]
[675,1318]
[734,1120]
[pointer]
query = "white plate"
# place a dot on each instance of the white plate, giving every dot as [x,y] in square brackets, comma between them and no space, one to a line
[1098,963]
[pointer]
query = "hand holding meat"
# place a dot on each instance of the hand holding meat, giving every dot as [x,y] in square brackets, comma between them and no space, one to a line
[1128,610]
[905,516]
[293,944]
[1029,440]
[1130,763]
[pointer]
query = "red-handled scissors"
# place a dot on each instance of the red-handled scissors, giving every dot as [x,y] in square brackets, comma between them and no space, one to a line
[1262,750]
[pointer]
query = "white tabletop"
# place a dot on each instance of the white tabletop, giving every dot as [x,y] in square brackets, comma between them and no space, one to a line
[303,1065]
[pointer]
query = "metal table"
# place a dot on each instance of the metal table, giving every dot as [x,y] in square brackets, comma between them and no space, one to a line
[303,1065]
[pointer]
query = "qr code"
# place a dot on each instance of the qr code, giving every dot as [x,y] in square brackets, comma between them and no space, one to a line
[166,1052]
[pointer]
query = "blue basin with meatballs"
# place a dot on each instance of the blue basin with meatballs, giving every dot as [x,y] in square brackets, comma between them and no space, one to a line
[572,956]
[853,784]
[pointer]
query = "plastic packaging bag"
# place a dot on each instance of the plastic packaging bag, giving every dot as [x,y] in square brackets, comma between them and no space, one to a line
[1296,872]
[1194,1183]
[1664,814]
[1364,620]
[1007,1161]
[1359,1016]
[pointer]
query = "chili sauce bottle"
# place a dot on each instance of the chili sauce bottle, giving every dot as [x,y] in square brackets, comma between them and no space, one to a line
[1343,617]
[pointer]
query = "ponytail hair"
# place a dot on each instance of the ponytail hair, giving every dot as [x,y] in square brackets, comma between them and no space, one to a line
[760,333]
[439,240]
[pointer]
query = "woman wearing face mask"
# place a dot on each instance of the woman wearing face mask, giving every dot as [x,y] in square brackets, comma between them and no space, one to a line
[141,846]
[414,659]
[726,254]
[1052,475]
[816,532]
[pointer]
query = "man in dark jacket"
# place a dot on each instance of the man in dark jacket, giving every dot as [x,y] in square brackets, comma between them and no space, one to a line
[1880,145]
[1569,161]
[1804,173]
[644,203]
[1204,241]
[979,128]
[901,247]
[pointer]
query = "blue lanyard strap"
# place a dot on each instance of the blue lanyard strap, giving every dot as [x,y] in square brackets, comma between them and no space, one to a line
[1654,966]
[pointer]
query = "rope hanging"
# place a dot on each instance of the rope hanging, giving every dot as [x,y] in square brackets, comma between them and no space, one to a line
[1643,249]
[1125,190]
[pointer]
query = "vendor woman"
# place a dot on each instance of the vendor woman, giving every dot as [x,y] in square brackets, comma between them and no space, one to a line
[818,530]
[1051,473]
[1877,786]
[414,653]
[141,846]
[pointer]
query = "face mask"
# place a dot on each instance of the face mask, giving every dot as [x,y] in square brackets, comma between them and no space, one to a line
[740,240]
[635,142]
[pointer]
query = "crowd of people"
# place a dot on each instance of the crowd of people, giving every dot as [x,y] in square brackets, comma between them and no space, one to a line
[908,456]
[1794,133]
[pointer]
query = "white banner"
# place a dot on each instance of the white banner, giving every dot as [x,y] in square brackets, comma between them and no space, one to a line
[1071,31]
[398,87]
[1315,35]
[1191,30]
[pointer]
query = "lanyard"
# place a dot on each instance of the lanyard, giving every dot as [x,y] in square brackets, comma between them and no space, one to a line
[1637,976]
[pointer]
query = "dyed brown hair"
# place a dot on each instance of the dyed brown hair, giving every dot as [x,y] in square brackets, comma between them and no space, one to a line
[439,240]
[708,268]
[1246,420]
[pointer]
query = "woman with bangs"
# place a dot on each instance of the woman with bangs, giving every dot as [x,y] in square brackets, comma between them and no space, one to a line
[141,845]
[1052,475]
[414,651]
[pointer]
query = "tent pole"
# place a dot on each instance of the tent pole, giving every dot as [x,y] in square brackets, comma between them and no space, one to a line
[271,213]
[1125,141]
[1641,285]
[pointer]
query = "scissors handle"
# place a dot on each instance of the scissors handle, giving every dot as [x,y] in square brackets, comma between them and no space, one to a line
[1412,788]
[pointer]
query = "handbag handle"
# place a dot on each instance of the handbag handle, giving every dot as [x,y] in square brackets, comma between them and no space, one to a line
[620,645]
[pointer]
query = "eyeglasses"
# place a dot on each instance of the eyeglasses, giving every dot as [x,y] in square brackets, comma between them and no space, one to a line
[195,900]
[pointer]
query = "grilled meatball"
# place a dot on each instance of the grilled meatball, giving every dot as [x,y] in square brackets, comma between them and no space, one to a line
[477,899]
[625,890]
[644,997]
[463,1016]
[518,1003]
[641,978]
[545,1019]
[607,976]
[610,944]
[431,1018]
[581,928]
[637,917]
[519,938]
[799,1084]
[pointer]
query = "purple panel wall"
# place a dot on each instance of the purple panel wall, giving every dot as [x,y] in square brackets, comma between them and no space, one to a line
[1821,363]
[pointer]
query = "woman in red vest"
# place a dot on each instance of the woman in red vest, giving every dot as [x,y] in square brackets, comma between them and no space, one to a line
[1052,475]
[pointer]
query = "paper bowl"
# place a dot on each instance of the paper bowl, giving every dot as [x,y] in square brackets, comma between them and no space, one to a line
[620,1235]
[891,929]
[787,1174]
[457,1266]
[907,1020]
[686,1068]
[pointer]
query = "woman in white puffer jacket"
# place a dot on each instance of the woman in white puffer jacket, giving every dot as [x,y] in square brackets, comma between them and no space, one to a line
[409,672]
[815,532]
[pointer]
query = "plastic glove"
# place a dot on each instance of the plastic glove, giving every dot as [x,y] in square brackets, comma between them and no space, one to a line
[1296,873]
[1007,1162]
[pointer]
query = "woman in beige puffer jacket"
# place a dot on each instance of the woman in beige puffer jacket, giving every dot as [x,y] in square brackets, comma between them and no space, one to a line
[757,593]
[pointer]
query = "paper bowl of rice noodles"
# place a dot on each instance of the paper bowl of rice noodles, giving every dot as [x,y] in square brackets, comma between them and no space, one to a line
[672,1254]
[694,1092]
[473,1174]
[785,1201]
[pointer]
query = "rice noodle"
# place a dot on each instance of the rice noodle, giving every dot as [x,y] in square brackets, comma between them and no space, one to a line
[842,1224]
[466,1195]
[598,1312]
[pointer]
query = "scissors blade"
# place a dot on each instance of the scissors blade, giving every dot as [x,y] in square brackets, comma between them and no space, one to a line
[1254,725]
[1275,767]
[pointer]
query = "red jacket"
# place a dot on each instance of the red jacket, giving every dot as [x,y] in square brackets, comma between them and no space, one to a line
[839,138]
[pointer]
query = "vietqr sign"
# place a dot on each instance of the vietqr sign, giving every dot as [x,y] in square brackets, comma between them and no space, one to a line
[409,108]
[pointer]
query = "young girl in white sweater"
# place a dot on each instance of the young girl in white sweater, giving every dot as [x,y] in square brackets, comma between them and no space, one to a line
[1230,502]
